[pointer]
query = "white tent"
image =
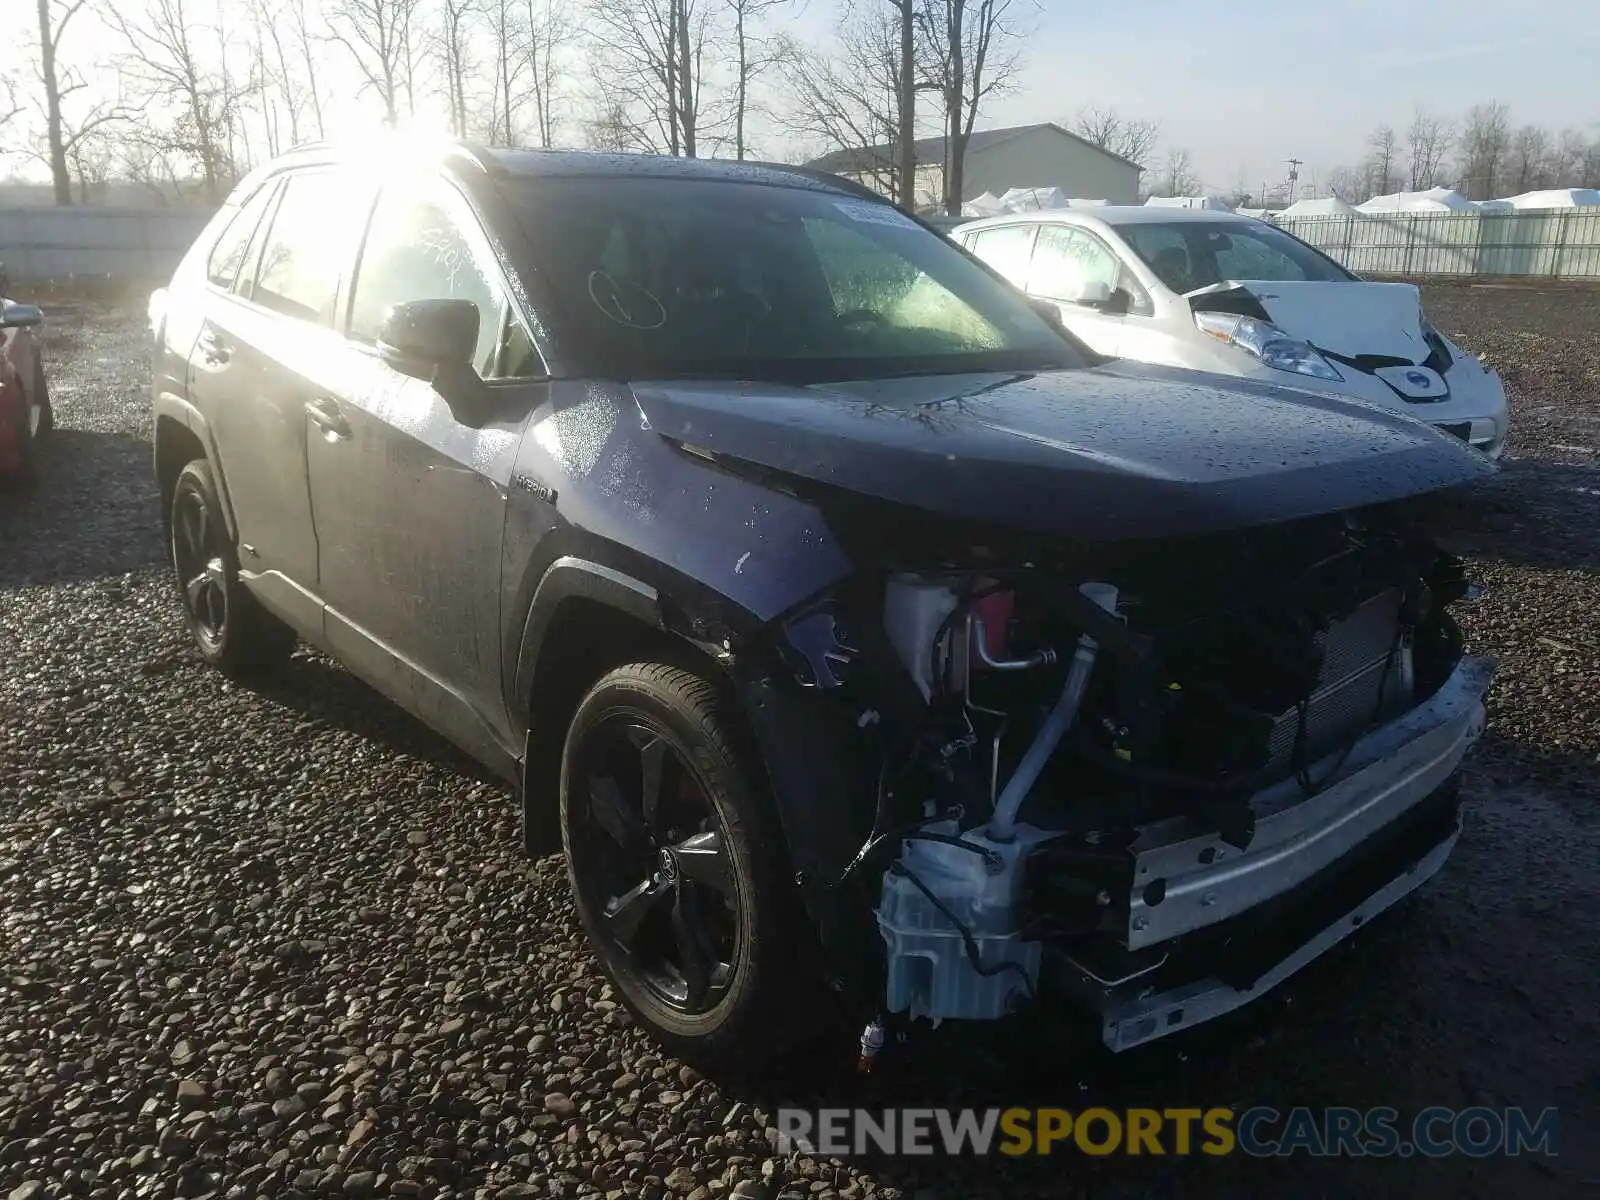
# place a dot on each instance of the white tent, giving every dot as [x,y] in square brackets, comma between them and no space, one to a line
[1553,198]
[1319,206]
[1433,200]
[986,204]
[1216,203]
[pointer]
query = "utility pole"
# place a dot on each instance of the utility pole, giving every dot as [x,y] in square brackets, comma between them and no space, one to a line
[1294,179]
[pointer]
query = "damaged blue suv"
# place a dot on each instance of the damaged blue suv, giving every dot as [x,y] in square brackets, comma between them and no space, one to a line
[856,633]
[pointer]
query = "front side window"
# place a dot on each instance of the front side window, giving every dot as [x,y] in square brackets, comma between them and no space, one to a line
[229,253]
[675,277]
[416,249]
[305,249]
[1067,261]
[1006,248]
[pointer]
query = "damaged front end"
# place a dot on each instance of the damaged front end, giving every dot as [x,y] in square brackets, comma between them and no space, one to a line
[1150,778]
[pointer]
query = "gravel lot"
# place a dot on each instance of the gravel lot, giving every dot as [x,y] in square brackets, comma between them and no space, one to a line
[279,940]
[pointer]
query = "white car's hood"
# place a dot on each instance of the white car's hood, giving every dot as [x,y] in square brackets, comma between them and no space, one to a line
[1349,318]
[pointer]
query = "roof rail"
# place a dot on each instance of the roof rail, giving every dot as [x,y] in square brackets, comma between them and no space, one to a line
[828,177]
[478,154]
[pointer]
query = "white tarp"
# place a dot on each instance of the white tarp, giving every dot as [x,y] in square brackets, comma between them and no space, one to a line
[1320,206]
[1215,203]
[1433,200]
[985,205]
[1494,206]
[1553,198]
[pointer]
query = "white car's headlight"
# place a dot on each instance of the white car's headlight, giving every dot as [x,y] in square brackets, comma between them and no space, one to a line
[1266,341]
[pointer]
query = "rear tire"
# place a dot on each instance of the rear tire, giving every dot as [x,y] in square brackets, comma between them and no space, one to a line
[230,629]
[716,969]
[39,399]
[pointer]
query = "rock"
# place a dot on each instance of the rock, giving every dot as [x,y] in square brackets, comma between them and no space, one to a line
[190,1093]
[361,1183]
[682,1180]
[560,1105]
[288,1108]
[30,1190]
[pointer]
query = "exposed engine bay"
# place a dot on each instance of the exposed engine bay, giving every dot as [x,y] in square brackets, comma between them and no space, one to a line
[1065,730]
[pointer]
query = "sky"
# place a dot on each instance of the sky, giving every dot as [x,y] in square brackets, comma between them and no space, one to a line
[1244,85]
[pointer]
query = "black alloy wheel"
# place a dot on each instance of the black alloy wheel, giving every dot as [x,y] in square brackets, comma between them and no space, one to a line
[654,854]
[197,553]
[680,872]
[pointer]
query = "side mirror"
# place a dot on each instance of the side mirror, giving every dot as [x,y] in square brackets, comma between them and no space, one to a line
[20,316]
[1095,293]
[436,340]
[1119,303]
[430,333]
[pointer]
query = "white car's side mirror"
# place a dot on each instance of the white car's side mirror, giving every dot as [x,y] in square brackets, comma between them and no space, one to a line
[1094,293]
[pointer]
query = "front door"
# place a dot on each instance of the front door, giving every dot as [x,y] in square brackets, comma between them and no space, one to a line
[409,502]
[1068,263]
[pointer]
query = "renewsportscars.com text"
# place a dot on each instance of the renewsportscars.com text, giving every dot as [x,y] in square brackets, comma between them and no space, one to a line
[1259,1131]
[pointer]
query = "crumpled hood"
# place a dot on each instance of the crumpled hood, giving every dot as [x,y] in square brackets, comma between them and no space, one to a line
[1350,318]
[1120,451]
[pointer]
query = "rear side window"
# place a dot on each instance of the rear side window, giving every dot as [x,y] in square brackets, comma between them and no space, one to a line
[1006,249]
[228,255]
[305,249]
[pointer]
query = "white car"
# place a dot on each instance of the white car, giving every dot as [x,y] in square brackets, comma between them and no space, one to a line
[1217,292]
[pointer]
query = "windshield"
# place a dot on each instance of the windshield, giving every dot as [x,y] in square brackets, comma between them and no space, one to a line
[1186,255]
[656,277]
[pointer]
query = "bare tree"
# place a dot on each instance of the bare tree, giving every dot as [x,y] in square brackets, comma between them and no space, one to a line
[1177,176]
[972,57]
[1125,137]
[1428,142]
[1566,158]
[1382,151]
[450,41]
[54,17]
[1351,184]
[506,35]
[651,58]
[851,99]
[303,42]
[379,36]
[163,62]
[905,122]
[753,54]
[1529,167]
[1485,148]
[549,32]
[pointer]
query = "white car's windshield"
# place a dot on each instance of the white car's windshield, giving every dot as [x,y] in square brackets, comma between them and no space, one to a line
[1186,255]
[747,280]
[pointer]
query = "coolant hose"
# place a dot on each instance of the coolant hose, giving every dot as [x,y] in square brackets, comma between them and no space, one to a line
[1003,825]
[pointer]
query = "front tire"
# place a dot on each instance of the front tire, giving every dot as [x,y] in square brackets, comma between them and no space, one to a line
[40,417]
[230,629]
[677,868]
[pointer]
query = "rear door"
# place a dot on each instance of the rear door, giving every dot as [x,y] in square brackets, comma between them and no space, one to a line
[265,353]
[409,502]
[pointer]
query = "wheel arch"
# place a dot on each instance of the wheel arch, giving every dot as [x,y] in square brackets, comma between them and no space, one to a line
[585,618]
[181,435]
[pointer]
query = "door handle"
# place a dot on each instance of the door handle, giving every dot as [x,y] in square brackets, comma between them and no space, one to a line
[213,349]
[325,415]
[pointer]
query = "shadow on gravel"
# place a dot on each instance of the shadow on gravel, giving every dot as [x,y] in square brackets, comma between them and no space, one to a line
[320,689]
[1511,763]
[93,512]
[1537,514]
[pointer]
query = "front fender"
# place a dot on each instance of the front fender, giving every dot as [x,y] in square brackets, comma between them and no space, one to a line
[568,578]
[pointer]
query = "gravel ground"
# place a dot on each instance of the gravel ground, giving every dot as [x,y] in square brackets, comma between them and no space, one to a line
[278,940]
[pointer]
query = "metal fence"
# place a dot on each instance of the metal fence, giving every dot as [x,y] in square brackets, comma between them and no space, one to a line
[124,245]
[1555,243]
